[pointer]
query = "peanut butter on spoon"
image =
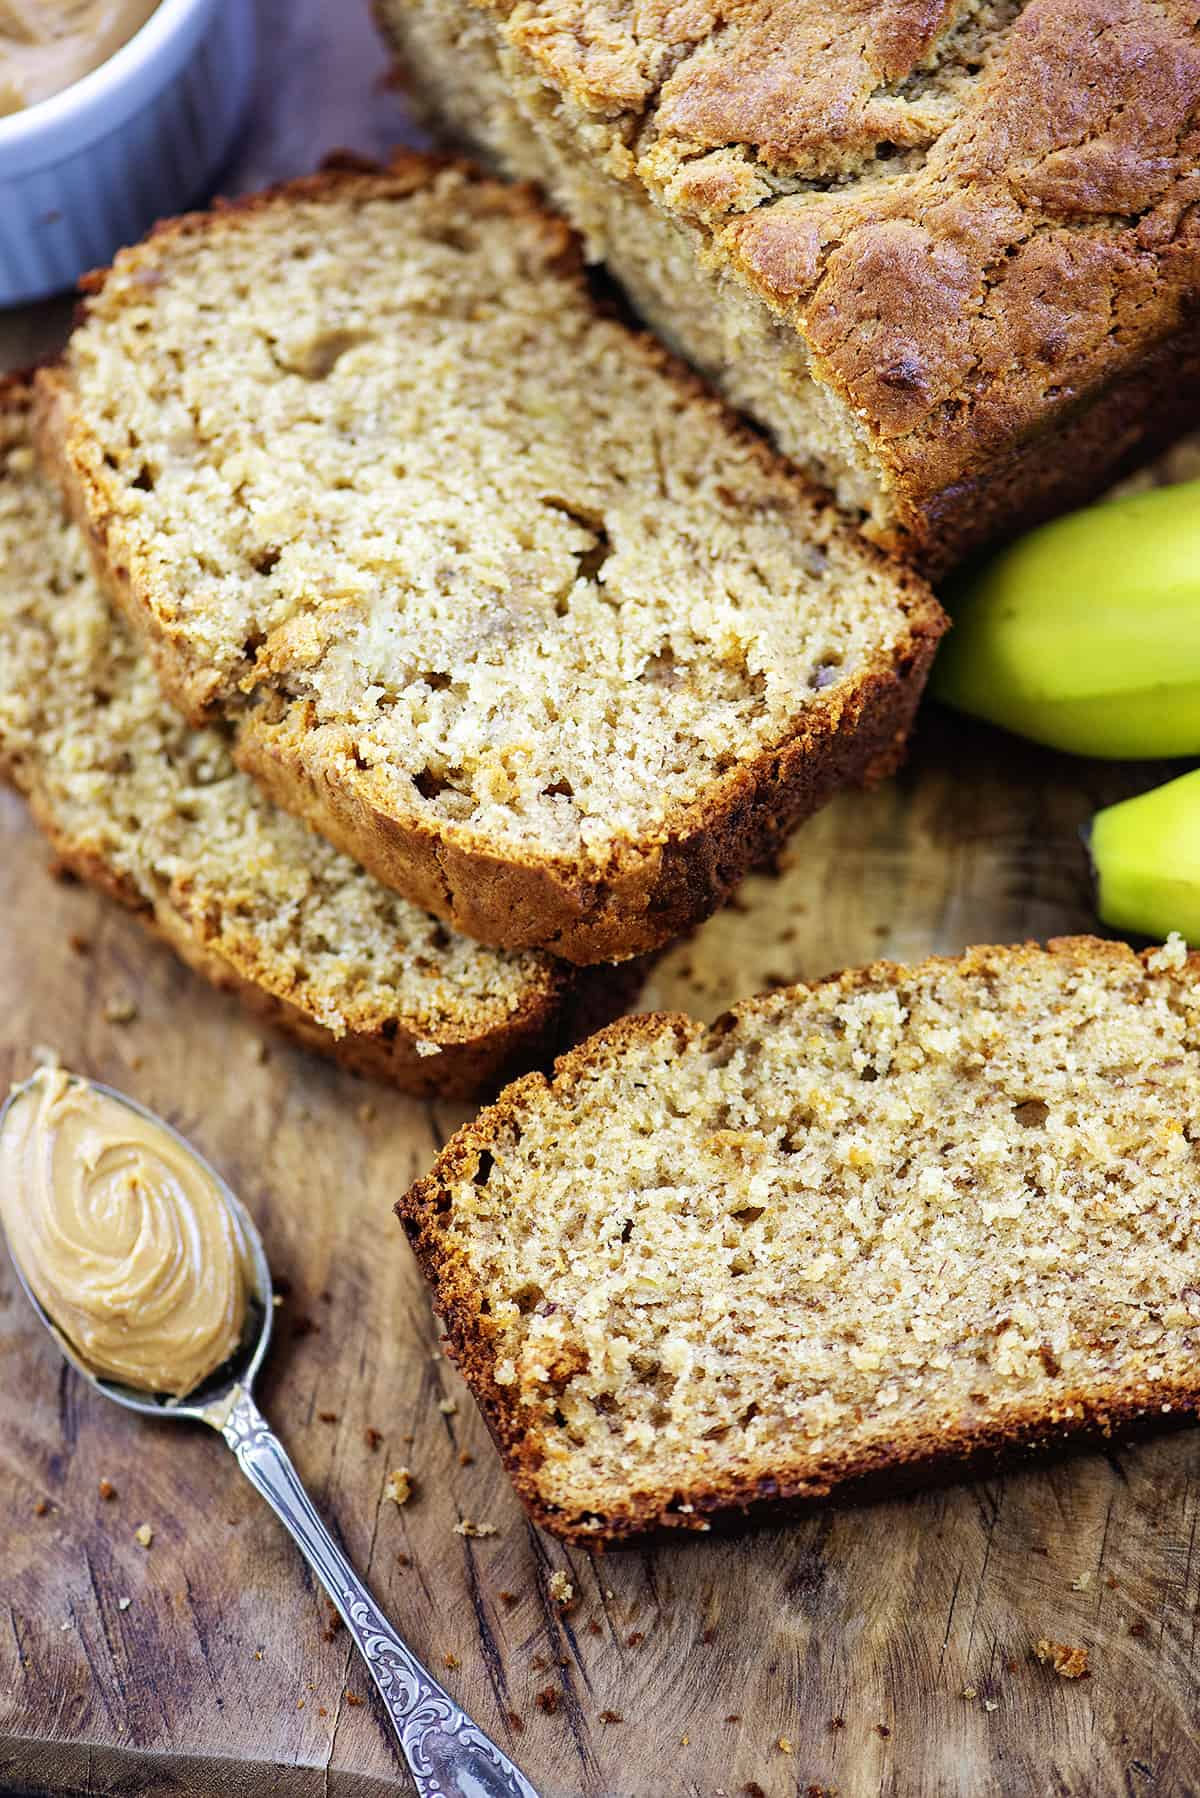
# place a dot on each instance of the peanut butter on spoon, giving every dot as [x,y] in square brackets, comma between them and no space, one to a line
[143,1264]
[122,1235]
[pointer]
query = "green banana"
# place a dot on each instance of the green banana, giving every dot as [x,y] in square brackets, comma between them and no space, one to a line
[1085,635]
[1146,856]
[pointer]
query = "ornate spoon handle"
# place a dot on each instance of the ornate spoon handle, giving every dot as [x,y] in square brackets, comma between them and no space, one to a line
[447,1755]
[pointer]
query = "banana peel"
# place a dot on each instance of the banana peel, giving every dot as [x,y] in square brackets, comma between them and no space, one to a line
[1146,859]
[1085,635]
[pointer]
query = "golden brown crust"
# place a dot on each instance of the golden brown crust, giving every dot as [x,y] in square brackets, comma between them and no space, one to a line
[977,242]
[910,1459]
[644,893]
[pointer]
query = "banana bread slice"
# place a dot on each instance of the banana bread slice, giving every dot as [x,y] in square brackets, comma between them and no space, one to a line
[156,814]
[850,1234]
[501,599]
[949,254]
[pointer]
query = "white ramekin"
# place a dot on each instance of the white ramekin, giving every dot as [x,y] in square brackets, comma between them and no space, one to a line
[139,138]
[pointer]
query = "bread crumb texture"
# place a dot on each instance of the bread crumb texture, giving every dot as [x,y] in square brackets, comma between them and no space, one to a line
[159,812]
[374,466]
[850,1229]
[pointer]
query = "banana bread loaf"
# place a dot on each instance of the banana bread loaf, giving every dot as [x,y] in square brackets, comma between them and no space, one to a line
[156,814]
[499,597]
[851,1233]
[949,254]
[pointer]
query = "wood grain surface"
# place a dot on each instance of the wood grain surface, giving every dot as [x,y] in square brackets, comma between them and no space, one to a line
[885,1649]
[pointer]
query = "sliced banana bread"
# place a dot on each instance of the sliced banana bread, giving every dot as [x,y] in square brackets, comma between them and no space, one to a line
[851,1233]
[948,253]
[154,812]
[503,601]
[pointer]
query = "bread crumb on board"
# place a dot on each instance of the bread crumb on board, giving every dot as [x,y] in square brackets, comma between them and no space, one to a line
[465,1527]
[144,1534]
[399,1485]
[560,1587]
[1068,1662]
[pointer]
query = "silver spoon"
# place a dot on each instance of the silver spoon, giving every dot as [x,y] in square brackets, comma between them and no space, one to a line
[447,1755]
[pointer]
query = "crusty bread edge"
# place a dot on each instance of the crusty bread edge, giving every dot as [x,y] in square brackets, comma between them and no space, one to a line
[916,1457]
[644,894]
[1068,459]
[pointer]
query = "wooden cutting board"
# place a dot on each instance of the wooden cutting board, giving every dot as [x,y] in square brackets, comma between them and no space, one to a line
[885,1649]
[856,1636]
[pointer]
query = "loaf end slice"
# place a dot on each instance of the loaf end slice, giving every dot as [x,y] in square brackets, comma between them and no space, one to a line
[494,593]
[155,813]
[947,255]
[852,1235]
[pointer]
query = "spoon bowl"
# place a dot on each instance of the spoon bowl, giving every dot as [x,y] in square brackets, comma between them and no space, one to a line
[241,1369]
[448,1755]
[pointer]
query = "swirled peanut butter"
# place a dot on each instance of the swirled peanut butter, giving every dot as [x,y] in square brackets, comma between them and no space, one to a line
[46,45]
[122,1234]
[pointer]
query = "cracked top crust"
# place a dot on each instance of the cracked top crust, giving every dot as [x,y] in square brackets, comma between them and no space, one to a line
[972,213]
